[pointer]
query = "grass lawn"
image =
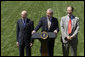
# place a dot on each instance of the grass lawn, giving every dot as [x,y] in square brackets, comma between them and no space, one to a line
[10,13]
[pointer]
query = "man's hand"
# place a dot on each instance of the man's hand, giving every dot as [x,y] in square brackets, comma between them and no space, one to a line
[33,31]
[17,44]
[30,44]
[69,37]
[55,31]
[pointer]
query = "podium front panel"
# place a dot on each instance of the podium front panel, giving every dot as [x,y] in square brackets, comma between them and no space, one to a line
[37,35]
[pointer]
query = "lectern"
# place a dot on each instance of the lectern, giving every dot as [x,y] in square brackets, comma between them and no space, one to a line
[44,36]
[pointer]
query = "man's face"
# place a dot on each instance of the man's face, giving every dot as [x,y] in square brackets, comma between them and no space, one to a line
[69,10]
[23,15]
[49,14]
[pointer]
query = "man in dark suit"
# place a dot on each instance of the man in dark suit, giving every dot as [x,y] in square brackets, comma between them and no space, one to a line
[24,29]
[48,24]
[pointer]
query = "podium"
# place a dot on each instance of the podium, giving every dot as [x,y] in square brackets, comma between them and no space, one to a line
[44,36]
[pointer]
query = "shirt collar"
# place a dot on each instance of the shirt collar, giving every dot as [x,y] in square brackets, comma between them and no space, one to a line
[72,17]
[50,18]
[24,19]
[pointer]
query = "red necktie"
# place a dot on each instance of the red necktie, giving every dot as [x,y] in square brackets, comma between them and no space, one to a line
[69,26]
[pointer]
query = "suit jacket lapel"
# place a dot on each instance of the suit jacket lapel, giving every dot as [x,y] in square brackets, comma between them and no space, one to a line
[21,24]
[46,23]
[73,22]
[66,21]
[27,22]
[51,22]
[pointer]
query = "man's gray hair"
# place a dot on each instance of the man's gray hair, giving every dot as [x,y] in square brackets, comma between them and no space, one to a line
[49,10]
[24,11]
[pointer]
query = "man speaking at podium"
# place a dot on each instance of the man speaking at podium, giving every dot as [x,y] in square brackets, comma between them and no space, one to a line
[48,24]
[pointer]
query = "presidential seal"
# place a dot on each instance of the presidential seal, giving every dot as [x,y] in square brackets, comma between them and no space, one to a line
[44,35]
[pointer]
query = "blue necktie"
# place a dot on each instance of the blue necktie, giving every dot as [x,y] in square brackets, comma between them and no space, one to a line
[24,23]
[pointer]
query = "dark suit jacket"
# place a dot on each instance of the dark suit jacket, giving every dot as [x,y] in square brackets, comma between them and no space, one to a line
[43,23]
[24,33]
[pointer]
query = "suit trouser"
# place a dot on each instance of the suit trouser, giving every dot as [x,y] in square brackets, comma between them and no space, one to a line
[50,47]
[71,44]
[21,50]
